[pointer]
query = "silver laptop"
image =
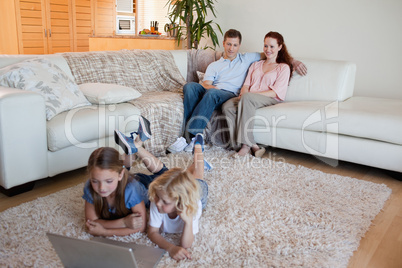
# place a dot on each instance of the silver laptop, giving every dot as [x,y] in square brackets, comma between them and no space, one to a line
[103,252]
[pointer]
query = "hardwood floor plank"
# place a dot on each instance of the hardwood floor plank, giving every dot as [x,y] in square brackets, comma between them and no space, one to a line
[382,225]
[45,187]
[389,251]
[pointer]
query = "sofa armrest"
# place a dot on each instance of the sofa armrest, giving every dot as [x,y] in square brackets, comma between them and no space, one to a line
[23,142]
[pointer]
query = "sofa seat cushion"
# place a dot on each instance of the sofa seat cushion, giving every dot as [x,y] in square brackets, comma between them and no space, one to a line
[164,110]
[82,126]
[294,115]
[372,118]
[362,117]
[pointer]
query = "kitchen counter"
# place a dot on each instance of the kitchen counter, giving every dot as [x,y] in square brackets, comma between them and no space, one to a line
[118,42]
[136,36]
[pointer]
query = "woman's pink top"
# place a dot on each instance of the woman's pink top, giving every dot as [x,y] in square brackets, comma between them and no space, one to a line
[276,80]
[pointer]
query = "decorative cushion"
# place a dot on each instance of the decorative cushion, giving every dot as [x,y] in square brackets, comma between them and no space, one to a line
[100,93]
[200,76]
[44,77]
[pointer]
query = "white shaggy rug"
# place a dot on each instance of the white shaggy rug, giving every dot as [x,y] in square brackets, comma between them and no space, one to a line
[259,214]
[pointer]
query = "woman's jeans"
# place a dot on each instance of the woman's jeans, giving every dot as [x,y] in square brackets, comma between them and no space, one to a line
[200,103]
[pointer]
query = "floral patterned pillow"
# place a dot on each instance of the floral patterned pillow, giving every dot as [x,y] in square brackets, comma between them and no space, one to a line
[44,77]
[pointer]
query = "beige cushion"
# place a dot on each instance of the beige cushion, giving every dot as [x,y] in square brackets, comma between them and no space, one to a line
[57,59]
[200,76]
[86,124]
[100,93]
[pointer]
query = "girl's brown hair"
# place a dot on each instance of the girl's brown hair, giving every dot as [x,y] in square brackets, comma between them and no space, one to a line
[283,54]
[180,186]
[108,158]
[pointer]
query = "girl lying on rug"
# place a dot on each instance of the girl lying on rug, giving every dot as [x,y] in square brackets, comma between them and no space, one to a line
[116,201]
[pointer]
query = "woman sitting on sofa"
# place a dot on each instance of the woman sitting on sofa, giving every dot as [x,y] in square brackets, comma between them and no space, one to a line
[266,84]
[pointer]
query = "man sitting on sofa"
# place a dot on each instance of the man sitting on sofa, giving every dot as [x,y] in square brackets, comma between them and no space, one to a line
[222,81]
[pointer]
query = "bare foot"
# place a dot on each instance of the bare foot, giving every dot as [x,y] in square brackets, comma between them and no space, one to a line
[244,150]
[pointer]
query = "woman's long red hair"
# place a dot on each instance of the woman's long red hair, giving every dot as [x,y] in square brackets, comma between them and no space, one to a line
[283,54]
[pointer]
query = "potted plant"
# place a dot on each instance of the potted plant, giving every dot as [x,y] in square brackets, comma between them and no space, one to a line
[191,17]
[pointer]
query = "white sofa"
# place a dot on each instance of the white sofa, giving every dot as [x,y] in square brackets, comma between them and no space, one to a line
[32,148]
[320,116]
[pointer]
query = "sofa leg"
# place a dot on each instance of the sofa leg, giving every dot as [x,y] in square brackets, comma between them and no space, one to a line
[18,189]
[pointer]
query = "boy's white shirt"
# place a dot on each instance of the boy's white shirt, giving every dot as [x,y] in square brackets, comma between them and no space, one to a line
[167,225]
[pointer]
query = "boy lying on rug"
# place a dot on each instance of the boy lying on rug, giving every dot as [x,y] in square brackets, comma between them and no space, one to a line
[116,201]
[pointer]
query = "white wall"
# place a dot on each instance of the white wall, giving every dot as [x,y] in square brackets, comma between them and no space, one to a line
[367,32]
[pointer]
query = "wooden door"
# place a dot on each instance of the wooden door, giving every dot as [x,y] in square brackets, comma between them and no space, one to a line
[60,26]
[83,24]
[8,26]
[44,26]
[105,17]
[31,26]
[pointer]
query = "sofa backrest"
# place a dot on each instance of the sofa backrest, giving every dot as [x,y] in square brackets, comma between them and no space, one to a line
[58,59]
[141,69]
[180,58]
[326,80]
[198,60]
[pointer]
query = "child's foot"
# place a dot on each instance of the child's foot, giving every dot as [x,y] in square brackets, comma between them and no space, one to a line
[126,143]
[144,129]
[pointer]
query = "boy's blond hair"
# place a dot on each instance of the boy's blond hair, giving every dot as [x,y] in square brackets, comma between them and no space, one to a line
[180,186]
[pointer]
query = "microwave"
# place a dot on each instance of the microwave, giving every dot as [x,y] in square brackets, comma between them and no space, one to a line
[125,25]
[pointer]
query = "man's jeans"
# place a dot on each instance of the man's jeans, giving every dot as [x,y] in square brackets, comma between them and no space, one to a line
[200,103]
